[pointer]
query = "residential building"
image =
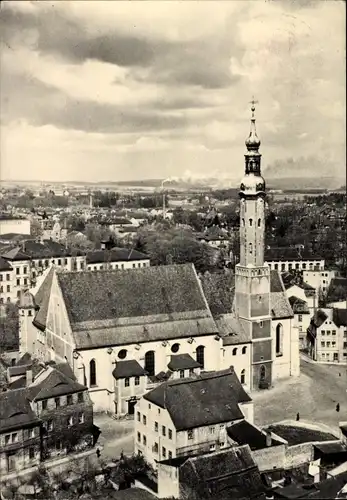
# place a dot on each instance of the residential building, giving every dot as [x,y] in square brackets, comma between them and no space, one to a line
[44,412]
[292,259]
[53,230]
[166,428]
[116,258]
[327,335]
[12,224]
[7,292]
[320,280]
[20,432]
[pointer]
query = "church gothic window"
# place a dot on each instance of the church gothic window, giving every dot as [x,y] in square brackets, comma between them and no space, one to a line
[243,377]
[250,222]
[92,373]
[279,336]
[150,363]
[200,355]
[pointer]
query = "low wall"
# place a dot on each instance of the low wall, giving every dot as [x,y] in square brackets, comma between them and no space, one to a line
[268,458]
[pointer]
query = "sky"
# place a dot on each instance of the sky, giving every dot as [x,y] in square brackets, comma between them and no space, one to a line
[115,91]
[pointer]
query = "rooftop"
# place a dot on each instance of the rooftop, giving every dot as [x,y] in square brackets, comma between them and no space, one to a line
[209,399]
[182,362]
[299,434]
[115,255]
[128,368]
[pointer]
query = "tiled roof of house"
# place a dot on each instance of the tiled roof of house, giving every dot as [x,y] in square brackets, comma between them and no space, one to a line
[15,410]
[280,306]
[331,448]
[4,265]
[14,254]
[128,368]
[298,306]
[298,435]
[209,399]
[229,472]
[135,305]
[182,362]
[115,255]
[288,254]
[42,298]
[340,317]
[244,432]
[52,382]
[26,359]
[232,330]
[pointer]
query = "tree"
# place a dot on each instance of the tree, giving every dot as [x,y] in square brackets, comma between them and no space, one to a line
[9,328]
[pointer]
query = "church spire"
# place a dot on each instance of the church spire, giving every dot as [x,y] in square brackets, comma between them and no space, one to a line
[253,141]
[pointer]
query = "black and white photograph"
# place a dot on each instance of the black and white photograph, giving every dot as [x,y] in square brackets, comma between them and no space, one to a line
[173,250]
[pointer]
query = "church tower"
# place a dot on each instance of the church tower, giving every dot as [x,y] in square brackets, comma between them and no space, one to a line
[252,277]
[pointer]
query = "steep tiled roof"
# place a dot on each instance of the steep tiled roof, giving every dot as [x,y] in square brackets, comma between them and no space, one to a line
[340,317]
[209,399]
[15,410]
[219,291]
[115,255]
[318,318]
[182,362]
[232,331]
[128,368]
[4,265]
[42,298]
[244,432]
[280,306]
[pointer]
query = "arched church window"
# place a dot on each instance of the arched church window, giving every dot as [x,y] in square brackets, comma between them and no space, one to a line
[279,337]
[150,363]
[243,377]
[234,351]
[200,355]
[262,372]
[92,373]
[259,222]
[244,349]
[250,222]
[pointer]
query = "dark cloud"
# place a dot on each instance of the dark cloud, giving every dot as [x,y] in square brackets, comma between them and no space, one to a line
[203,63]
[26,97]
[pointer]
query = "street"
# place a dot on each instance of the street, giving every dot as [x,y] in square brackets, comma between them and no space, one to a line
[314,395]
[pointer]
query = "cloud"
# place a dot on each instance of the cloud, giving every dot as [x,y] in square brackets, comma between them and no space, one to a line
[166,89]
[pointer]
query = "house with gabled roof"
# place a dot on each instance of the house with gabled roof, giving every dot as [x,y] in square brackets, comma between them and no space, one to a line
[166,428]
[327,335]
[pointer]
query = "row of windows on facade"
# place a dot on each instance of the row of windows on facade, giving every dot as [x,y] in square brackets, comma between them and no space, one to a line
[327,332]
[291,265]
[332,344]
[155,446]
[250,221]
[70,421]
[14,436]
[59,400]
[335,356]
[149,363]
[115,266]
[156,425]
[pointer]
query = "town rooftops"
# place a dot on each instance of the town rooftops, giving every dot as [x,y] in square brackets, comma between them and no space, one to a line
[319,318]
[14,254]
[115,255]
[182,362]
[4,265]
[128,368]
[298,306]
[31,249]
[52,382]
[210,398]
[15,410]
[135,305]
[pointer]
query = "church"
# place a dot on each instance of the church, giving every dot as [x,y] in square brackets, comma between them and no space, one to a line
[124,332]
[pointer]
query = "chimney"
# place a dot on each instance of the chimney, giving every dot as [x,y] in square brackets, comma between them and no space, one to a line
[29,376]
[268,439]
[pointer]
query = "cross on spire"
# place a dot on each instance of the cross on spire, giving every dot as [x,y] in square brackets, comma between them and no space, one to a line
[253,102]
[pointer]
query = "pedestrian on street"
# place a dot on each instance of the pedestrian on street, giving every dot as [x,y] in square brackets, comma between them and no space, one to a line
[338,407]
[298,417]
[98,453]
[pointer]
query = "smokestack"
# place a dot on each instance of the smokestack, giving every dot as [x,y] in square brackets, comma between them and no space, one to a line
[29,377]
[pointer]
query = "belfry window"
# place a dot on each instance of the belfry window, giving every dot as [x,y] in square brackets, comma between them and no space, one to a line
[250,248]
[243,222]
[259,222]
[250,222]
